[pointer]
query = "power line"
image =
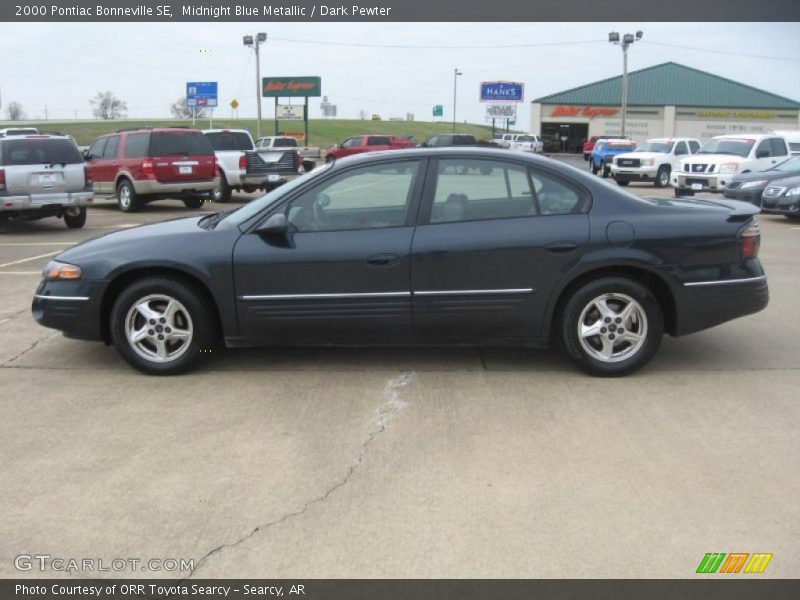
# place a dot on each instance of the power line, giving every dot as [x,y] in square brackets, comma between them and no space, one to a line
[425,47]
[695,48]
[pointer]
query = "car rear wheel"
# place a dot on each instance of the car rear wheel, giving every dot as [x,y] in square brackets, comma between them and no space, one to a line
[611,326]
[683,192]
[126,197]
[592,168]
[193,202]
[222,193]
[662,177]
[161,326]
[75,218]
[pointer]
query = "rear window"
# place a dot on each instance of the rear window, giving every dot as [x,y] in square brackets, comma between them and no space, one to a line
[39,152]
[284,143]
[230,140]
[179,143]
[463,139]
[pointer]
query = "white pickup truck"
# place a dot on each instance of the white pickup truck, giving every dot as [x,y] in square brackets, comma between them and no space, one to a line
[724,156]
[527,142]
[243,167]
[655,160]
[309,154]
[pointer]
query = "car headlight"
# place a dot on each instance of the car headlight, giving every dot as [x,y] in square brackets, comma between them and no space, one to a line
[729,167]
[648,162]
[58,270]
[795,191]
[752,184]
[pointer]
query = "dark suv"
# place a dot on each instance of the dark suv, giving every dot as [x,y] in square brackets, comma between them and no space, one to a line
[141,165]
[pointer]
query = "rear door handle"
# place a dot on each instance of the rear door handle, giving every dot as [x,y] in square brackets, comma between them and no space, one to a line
[383,260]
[561,247]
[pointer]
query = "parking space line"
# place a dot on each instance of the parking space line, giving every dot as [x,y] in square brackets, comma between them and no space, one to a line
[20,272]
[38,243]
[22,260]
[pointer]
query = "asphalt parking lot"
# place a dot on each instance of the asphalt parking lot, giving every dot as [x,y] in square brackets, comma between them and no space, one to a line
[399,463]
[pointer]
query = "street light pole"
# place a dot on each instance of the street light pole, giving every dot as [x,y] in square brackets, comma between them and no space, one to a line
[627,40]
[456,73]
[255,42]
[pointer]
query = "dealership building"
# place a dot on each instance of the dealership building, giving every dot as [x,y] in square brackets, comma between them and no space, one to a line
[663,101]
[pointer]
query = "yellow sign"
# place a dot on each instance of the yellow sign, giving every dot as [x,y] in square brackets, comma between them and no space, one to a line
[234,104]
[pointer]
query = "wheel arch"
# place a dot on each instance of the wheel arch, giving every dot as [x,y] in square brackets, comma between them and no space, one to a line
[125,278]
[647,277]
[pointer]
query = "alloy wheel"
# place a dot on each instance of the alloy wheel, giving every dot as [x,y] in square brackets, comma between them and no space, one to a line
[612,327]
[159,328]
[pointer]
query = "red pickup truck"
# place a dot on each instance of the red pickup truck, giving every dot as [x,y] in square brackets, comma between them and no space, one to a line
[588,146]
[367,143]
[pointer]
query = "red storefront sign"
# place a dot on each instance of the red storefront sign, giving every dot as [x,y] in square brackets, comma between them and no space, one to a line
[585,111]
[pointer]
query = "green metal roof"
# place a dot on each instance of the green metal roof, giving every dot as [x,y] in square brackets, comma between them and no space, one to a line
[671,84]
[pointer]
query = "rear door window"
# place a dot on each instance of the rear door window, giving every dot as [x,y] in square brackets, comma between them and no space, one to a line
[377,140]
[39,152]
[136,145]
[694,146]
[680,149]
[179,143]
[110,151]
[778,147]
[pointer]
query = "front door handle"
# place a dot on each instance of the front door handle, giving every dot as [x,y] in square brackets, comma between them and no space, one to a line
[561,247]
[383,260]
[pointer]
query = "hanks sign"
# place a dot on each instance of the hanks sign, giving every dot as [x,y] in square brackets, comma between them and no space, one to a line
[502,91]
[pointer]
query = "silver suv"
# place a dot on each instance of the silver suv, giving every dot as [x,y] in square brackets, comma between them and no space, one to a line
[43,175]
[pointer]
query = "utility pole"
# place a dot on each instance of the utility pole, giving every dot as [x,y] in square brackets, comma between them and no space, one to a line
[255,42]
[627,40]
[456,73]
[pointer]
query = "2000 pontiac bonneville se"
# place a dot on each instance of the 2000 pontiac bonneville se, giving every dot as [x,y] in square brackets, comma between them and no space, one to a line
[442,246]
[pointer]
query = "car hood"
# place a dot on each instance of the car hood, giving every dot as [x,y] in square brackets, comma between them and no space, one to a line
[793,181]
[613,152]
[641,155]
[713,158]
[764,176]
[140,237]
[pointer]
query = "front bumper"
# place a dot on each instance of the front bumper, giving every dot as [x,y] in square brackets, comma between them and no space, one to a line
[634,173]
[42,201]
[708,303]
[751,195]
[148,187]
[701,182]
[781,206]
[72,307]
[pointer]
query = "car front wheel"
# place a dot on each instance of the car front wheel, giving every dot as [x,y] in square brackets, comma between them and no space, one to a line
[611,326]
[662,177]
[161,325]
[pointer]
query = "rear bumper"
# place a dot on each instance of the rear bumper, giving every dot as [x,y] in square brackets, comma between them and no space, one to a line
[72,307]
[709,303]
[152,186]
[45,201]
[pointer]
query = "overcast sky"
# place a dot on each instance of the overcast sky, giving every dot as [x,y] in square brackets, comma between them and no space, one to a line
[63,65]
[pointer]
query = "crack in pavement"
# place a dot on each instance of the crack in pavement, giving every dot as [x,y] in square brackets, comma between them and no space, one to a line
[11,316]
[44,338]
[383,419]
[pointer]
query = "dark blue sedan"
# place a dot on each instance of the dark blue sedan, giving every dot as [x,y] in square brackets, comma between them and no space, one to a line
[428,246]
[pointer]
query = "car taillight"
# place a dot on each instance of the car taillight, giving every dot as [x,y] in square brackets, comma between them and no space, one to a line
[242,162]
[148,169]
[2,179]
[87,177]
[751,240]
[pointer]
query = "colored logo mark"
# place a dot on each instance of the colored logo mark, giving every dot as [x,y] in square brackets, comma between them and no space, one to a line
[735,562]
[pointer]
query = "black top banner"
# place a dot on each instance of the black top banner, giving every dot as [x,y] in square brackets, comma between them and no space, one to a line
[402,10]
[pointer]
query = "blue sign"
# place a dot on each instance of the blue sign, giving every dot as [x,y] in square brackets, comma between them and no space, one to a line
[201,94]
[502,91]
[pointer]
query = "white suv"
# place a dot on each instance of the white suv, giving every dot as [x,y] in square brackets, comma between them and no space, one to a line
[722,157]
[654,161]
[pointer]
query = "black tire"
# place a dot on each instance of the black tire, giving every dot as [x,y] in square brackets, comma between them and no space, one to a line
[200,322]
[249,189]
[193,202]
[622,182]
[330,158]
[76,221]
[604,170]
[127,201]
[679,192]
[580,304]
[662,177]
[223,192]
[592,168]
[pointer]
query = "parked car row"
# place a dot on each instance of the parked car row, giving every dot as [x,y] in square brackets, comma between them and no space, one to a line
[776,190]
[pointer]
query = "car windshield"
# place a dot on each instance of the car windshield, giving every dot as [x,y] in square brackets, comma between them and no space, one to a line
[182,143]
[793,164]
[230,140]
[256,206]
[735,147]
[662,147]
[526,138]
[616,146]
[41,151]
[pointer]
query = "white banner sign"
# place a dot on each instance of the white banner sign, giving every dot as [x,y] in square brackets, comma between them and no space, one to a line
[501,111]
[290,112]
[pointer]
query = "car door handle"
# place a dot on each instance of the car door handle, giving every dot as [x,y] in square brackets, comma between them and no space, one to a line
[383,260]
[561,247]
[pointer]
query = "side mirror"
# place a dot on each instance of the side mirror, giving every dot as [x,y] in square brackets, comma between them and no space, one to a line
[87,155]
[275,225]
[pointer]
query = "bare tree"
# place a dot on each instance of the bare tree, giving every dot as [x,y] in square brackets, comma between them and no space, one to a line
[362,114]
[180,110]
[106,105]
[14,111]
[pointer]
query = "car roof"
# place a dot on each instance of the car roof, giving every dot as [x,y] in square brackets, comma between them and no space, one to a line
[37,136]
[226,131]
[465,151]
[744,136]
